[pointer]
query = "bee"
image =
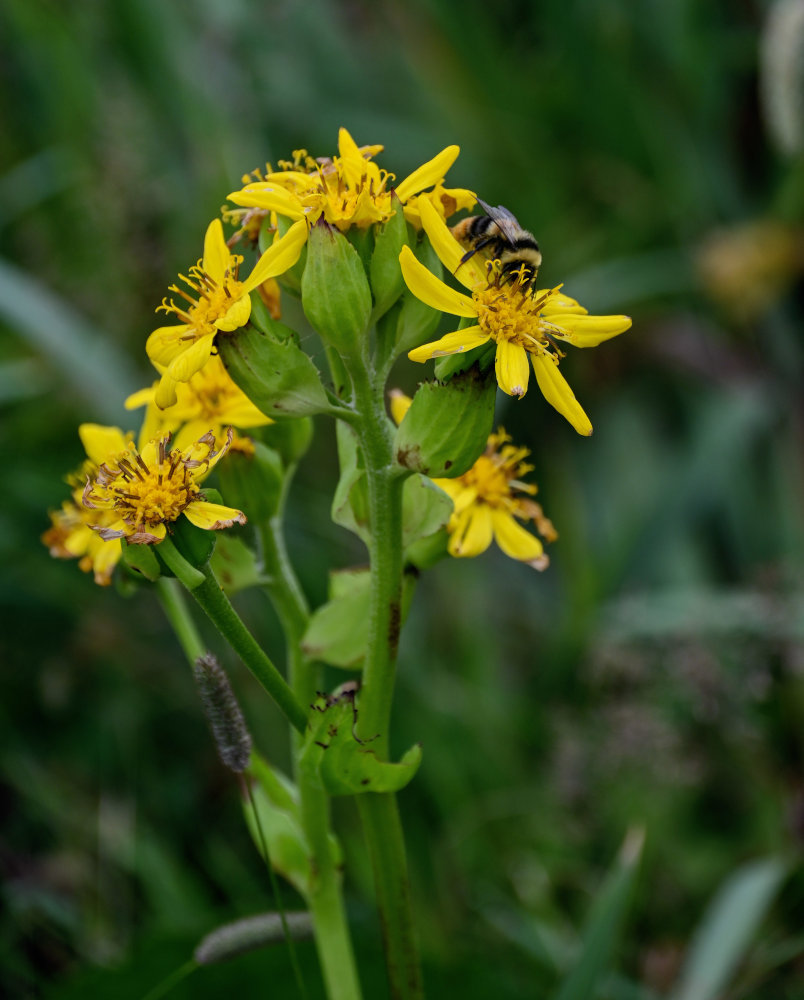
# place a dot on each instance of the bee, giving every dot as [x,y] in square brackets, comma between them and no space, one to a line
[499,236]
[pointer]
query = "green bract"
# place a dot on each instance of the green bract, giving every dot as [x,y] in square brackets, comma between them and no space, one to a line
[447,425]
[387,283]
[273,371]
[335,292]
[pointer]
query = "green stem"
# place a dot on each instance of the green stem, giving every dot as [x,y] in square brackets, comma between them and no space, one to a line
[223,616]
[379,813]
[325,899]
[171,597]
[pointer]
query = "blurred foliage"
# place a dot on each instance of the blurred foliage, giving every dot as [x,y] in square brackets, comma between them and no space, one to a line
[653,677]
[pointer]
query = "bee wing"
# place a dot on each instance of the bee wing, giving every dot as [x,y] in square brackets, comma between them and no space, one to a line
[506,221]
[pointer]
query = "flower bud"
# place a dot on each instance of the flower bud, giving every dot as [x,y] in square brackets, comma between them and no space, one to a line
[447,425]
[335,292]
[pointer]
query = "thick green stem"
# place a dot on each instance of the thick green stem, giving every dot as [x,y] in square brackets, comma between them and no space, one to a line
[379,813]
[325,899]
[219,610]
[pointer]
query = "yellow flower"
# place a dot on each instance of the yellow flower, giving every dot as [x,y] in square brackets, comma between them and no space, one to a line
[209,401]
[222,305]
[350,189]
[71,536]
[488,499]
[519,320]
[148,489]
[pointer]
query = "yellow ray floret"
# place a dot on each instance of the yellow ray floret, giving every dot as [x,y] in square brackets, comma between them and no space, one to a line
[209,401]
[522,323]
[144,491]
[350,189]
[215,300]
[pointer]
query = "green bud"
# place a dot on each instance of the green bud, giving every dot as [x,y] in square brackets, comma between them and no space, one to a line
[447,426]
[195,544]
[416,322]
[290,280]
[335,292]
[273,371]
[385,273]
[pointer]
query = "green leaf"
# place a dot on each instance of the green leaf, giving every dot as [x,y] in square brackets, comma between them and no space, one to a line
[604,923]
[234,564]
[729,924]
[276,800]
[350,502]
[345,765]
[273,371]
[425,509]
[447,426]
[338,630]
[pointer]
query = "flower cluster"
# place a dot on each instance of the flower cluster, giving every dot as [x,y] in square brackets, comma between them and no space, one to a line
[340,232]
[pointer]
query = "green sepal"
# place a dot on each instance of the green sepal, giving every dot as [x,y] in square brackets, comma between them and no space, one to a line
[291,279]
[453,364]
[425,509]
[385,273]
[447,426]
[273,371]
[336,296]
[276,799]
[195,544]
[234,564]
[338,631]
[350,507]
[362,239]
[290,438]
[141,560]
[253,483]
[344,765]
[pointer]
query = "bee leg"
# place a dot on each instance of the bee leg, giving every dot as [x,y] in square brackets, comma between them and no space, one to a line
[478,246]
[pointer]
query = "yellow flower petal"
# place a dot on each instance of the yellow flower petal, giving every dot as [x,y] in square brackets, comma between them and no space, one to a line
[588,331]
[192,359]
[472,533]
[165,394]
[457,342]
[279,257]
[427,174]
[511,366]
[216,253]
[102,442]
[516,542]
[138,399]
[166,342]
[236,315]
[558,393]
[270,197]
[213,516]
[432,290]
[471,272]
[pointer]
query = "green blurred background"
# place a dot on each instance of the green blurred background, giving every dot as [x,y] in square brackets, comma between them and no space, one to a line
[651,678]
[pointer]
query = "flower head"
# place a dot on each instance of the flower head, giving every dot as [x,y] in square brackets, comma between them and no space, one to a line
[209,401]
[142,491]
[350,189]
[522,322]
[215,300]
[71,536]
[489,501]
